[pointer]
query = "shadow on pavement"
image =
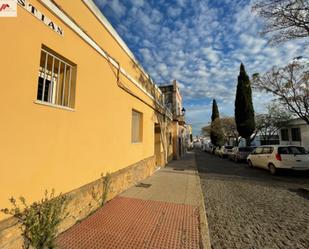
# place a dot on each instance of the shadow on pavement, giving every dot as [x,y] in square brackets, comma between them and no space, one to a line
[301,192]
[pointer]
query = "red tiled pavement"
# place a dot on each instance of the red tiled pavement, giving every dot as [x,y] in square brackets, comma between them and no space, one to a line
[128,223]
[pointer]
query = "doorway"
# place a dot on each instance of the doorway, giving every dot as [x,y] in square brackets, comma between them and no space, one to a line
[157,144]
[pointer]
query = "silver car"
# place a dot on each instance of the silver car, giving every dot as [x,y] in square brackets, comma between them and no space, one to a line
[240,153]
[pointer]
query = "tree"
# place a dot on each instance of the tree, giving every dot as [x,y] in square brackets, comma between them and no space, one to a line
[268,124]
[228,126]
[244,112]
[290,84]
[215,111]
[284,19]
[216,132]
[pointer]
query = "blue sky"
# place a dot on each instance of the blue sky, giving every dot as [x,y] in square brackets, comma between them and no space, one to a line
[200,43]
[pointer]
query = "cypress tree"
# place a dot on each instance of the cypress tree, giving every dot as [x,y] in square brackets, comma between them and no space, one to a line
[244,112]
[216,132]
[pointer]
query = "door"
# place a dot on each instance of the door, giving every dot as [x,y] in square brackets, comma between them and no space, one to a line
[266,156]
[157,144]
[256,157]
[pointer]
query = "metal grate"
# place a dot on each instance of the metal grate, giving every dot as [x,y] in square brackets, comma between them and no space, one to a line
[177,169]
[143,185]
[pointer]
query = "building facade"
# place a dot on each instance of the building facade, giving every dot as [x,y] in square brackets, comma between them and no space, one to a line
[75,103]
[295,133]
[173,101]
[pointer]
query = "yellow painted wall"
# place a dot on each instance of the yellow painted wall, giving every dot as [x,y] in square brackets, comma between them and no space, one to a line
[44,147]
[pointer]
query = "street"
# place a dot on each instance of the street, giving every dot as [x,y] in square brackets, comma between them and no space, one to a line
[251,209]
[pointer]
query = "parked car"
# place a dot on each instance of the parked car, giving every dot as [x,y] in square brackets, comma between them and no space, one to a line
[218,151]
[274,157]
[240,153]
[210,148]
[227,150]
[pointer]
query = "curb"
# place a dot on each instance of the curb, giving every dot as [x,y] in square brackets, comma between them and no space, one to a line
[204,230]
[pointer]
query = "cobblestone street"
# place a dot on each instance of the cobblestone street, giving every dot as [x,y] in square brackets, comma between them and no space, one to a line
[251,209]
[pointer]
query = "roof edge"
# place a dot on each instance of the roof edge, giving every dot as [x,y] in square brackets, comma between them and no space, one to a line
[99,15]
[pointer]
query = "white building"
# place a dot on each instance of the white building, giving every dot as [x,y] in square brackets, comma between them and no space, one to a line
[295,133]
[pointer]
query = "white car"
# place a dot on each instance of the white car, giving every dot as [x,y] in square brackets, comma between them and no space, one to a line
[273,157]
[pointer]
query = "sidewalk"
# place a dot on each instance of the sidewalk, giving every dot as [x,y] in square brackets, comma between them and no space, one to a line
[165,211]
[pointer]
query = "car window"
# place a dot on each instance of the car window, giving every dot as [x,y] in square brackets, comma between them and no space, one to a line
[258,150]
[283,150]
[268,150]
[297,150]
[245,149]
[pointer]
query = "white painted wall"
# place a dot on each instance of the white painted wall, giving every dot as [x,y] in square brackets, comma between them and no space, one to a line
[304,131]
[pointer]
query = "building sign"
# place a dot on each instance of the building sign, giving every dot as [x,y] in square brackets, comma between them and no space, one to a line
[8,8]
[39,15]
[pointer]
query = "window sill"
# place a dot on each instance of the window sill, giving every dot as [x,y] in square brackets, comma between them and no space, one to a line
[53,105]
[136,142]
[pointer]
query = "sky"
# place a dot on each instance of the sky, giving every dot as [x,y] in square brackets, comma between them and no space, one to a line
[201,44]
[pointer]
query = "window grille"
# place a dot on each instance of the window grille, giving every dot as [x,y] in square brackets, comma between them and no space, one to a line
[56,82]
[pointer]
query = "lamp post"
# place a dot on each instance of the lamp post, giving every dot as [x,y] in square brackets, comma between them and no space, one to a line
[183,111]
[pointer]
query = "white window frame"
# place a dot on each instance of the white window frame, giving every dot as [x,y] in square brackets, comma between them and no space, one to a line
[140,128]
[54,78]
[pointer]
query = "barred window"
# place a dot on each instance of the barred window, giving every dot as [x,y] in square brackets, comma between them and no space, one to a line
[56,82]
[137,127]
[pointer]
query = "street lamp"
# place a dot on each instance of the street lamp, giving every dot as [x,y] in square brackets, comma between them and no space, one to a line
[183,111]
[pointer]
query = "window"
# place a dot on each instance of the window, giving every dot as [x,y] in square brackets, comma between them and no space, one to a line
[170,138]
[137,127]
[268,150]
[295,134]
[246,149]
[283,150]
[56,82]
[284,134]
[258,150]
[295,150]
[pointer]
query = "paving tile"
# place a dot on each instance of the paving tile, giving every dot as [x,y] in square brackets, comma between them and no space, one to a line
[129,223]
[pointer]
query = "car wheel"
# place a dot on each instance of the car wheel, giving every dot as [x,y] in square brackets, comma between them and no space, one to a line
[235,159]
[272,169]
[250,164]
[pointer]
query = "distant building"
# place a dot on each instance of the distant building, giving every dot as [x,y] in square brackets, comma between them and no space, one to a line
[259,140]
[295,133]
[189,138]
[173,101]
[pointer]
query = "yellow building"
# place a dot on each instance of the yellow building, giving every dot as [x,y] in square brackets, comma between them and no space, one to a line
[173,101]
[74,103]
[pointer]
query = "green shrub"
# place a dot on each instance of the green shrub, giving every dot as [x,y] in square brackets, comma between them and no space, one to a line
[101,196]
[106,180]
[39,220]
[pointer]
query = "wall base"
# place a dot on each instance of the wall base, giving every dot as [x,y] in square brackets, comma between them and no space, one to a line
[81,202]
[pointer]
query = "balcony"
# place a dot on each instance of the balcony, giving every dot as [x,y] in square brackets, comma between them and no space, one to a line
[180,119]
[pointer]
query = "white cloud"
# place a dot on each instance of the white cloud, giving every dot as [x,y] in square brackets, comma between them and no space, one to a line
[117,7]
[201,44]
[174,11]
[211,54]
[137,3]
